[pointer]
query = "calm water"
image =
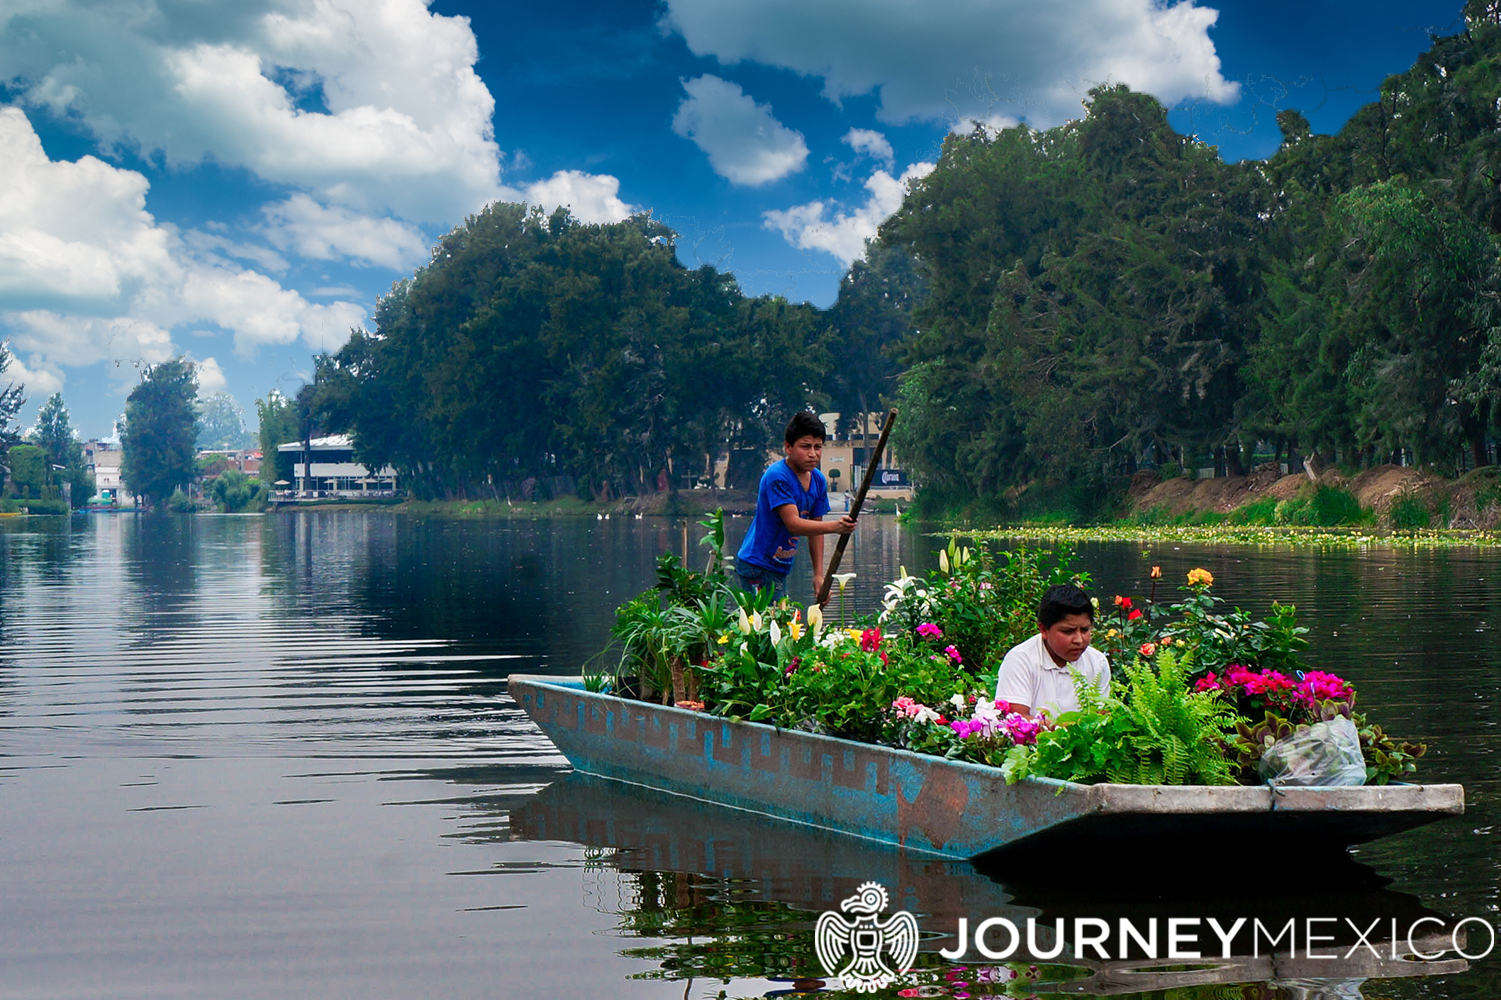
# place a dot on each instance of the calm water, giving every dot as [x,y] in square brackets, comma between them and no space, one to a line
[273,756]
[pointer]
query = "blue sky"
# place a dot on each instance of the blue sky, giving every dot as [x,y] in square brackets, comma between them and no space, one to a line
[237,180]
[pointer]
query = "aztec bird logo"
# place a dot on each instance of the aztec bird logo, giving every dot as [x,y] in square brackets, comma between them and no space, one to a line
[869,940]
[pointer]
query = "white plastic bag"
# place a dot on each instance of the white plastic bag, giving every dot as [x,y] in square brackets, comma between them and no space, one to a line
[1325,753]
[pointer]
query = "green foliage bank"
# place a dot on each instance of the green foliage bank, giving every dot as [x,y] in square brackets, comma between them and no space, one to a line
[1109,293]
[536,346]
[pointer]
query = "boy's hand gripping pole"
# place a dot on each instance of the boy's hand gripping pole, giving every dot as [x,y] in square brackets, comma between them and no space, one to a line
[854,511]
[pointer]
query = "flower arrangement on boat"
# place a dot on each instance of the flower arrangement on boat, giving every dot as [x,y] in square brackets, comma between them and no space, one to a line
[1199,692]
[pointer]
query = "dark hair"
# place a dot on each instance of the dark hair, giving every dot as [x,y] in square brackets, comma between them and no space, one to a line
[802,424]
[1060,602]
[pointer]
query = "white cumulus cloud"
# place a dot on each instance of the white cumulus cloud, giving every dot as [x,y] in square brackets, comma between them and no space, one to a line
[302,226]
[87,275]
[822,225]
[962,59]
[745,142]
[70,233]
[372,104]
[872,143]
[588,197]
[210,377]
[40,377]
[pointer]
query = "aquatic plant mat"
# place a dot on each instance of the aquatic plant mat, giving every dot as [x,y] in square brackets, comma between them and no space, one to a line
[1220,534]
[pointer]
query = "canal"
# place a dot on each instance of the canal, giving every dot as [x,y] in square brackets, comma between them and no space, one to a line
[273,755]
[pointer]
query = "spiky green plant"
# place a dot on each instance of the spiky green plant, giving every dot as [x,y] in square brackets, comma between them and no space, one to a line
[1175,735]
[1155,730]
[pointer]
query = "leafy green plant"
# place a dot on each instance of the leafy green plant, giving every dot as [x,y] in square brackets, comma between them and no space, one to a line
[1325,506]
[1408,511]
[1263,511]
[984,601]
[1487,489]
[1198,625]
[1155,731]
[233,491]
[1386,758]
[180,503]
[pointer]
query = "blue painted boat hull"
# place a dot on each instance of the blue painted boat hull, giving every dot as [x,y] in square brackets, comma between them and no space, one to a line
[932,806]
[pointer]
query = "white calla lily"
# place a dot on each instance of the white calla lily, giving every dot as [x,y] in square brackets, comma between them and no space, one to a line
[815,619]
[745,624]
[843,579]
[755,621]
[776,633]
[943,560]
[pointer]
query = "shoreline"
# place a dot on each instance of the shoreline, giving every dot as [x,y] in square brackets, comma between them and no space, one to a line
[684,503]
[1252,535]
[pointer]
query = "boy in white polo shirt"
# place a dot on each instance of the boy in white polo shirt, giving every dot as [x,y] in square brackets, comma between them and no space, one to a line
[1035,675]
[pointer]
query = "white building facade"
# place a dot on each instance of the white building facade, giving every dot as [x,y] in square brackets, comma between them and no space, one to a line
[329,469]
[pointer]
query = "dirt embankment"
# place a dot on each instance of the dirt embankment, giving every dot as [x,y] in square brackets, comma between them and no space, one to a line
[1473,501]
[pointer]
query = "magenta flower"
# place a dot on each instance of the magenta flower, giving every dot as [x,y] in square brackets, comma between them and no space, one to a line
[1319,686]
[953,654]
[870,640]
[1021,729]
[929,631]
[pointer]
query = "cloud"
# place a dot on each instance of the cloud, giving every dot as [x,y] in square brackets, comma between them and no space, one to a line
[87,275]
[745,142]
[958,59]
[819,225]
[871,143]
[304,227]
[73,233]
[588,197]
[210,377]
[372,104]
[40,377]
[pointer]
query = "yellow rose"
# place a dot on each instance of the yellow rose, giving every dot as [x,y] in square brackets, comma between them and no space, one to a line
[1198,576]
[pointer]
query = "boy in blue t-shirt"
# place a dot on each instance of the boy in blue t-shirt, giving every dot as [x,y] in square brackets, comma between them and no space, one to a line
[791,502]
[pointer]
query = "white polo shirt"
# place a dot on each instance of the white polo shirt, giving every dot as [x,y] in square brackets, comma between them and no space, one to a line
[1028,676]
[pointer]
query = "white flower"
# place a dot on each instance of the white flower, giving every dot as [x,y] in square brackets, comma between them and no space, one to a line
[815,619]
[843,579]
[755,620]
[943,560]
[745,623]
[776,633]
[958,702]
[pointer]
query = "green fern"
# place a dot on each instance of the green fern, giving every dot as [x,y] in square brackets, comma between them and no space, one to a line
[1156,730]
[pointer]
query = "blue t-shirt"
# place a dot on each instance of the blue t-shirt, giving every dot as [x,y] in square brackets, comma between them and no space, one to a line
[768,544]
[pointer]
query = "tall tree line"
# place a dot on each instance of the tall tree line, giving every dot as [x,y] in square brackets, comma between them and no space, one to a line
[1110,291]
[536,346]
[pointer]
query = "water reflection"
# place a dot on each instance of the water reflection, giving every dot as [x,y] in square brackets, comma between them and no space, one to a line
[718,894]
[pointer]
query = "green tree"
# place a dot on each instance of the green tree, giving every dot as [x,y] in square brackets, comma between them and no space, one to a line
[12,398]
[221,424]
[30,476]
[536,346]
[54,435]
[278,426]
[233,491]
[161,424]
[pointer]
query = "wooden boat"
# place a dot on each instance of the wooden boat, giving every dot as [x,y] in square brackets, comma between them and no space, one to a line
[937,807]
